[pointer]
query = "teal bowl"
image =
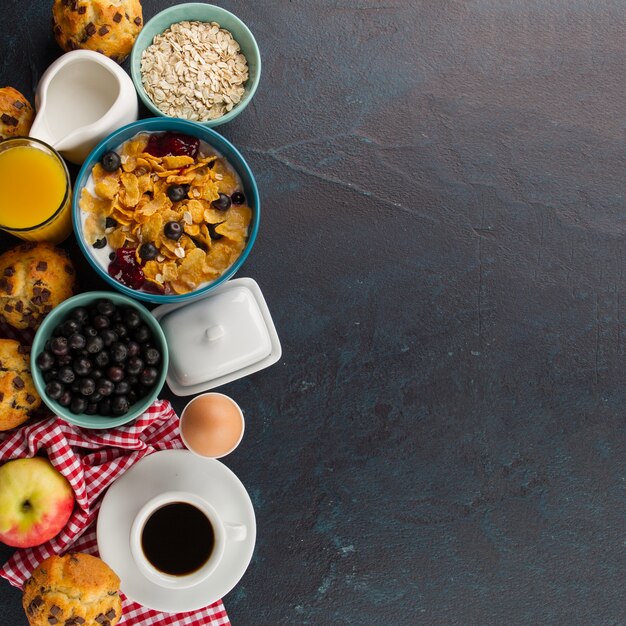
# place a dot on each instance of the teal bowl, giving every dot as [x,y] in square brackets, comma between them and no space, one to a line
[58,315]
[199,12]
[158,125]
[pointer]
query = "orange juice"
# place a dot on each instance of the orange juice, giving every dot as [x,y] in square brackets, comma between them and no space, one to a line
[34,191]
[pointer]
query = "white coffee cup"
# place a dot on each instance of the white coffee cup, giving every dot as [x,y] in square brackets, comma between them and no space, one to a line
[223,532]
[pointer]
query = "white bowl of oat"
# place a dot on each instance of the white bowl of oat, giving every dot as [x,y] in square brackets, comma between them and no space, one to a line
[197,62]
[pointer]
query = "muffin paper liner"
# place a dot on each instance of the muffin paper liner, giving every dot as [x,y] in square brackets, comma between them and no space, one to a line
[91,460]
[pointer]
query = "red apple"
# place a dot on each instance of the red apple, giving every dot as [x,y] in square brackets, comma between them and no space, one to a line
[35,502]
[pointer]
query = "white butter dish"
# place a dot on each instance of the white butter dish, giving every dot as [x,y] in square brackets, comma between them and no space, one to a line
[217,339]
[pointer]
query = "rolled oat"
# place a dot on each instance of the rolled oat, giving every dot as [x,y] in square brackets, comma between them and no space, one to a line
[194,70]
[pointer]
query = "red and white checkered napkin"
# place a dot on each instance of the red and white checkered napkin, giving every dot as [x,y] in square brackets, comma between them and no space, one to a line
[91,460]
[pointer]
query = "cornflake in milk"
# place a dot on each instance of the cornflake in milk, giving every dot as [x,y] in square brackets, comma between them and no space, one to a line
[181,221]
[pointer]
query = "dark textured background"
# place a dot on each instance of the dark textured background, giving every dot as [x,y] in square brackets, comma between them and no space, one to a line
[442,249]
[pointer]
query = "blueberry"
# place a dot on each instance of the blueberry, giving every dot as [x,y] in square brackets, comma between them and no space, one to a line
[119,405]
[82,366]
[148,251]
[148,376]
[90,331]
[80,314]
[96,374]
[134,365]
[122,388]
[99,243]
[91,408]
[50,375]
[94,345]
[173,230]
[76,341]
[45,361]
[176,193]
[54,389]
[222,203]
[133,348]
[115,373]
[105,307]
[132,397]
[66,375]
[78,405]
[65,399]
[110,222]
[111,161]
[69,327]
[104,407]
[132,319]
[87,386]
[118,352]
[132,380]
[102,359]
[109,336]
[105,387]
[100,322]
[142,333]
[59,346]
[66,359]
[238,198]
[121,330]
[95,397]
[151,356]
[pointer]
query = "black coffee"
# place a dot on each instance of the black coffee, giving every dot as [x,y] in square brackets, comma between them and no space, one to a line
[178,539]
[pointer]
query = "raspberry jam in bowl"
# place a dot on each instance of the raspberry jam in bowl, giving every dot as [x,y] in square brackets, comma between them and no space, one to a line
[165,210]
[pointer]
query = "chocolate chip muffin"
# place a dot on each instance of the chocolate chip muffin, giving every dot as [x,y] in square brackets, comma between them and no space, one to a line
[106,26]
[76,589]
[16,114]
[34,278]
[18,396]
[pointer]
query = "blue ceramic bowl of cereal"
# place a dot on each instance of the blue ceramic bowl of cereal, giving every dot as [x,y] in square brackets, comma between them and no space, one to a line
[165,210]
[196,61]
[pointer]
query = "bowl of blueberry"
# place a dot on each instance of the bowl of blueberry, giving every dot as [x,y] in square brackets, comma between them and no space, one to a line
[165,210]
[99,360]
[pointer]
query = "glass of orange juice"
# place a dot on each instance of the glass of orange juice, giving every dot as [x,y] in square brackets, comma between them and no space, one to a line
[35,191]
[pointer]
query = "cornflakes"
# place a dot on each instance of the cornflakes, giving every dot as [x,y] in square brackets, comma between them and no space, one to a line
[184,217]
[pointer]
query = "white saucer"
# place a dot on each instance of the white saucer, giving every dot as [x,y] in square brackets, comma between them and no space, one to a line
[165,471]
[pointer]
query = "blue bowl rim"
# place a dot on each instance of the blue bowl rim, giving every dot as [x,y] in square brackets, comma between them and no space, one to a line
[79,419]
[164,124]
[239,107]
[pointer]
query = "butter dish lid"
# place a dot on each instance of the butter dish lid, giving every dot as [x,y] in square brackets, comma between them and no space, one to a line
[219,338]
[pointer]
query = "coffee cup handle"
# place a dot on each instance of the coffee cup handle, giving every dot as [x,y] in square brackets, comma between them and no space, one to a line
[235,532]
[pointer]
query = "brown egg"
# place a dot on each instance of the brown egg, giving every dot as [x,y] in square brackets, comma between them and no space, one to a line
[212,425]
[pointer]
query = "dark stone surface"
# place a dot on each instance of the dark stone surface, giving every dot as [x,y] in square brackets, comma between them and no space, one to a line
[442,248]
